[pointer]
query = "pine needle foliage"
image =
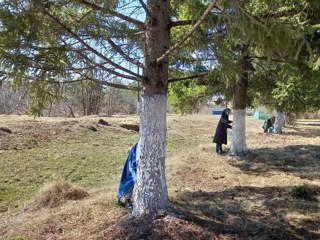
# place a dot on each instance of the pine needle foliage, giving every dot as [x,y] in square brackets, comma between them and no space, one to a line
[275,40]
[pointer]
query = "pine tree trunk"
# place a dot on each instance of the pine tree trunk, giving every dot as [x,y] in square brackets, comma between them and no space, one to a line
[151,194]
[279,121]
[238,142]
[151,189]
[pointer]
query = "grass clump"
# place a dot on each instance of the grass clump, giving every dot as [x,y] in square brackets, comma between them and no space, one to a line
[304,192]
[103,122]
[17,238]
[132,127]
[5,129]
[58,193]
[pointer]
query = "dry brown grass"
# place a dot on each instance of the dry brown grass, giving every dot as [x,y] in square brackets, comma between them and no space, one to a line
[58,193]
[217,197]
[72,220]
[251,199]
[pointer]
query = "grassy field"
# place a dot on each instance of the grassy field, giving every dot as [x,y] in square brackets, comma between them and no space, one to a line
[273,195]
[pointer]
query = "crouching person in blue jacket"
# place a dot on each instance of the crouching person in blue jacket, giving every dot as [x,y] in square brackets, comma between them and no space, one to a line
[128,178]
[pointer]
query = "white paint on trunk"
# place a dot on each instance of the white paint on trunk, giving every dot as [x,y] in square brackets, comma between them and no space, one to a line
[150,192]
[279,121]
[238,142]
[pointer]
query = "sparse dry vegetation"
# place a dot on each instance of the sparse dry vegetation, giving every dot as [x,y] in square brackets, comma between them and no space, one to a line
[216,197]
[58,193]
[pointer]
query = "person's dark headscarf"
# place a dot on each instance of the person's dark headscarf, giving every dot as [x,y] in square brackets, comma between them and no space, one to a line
[224,115]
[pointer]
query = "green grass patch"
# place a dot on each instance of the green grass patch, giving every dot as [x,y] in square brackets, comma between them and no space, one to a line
[93,161]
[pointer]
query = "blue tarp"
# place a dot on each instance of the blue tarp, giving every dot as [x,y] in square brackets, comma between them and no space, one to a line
[128,177]
[217,112]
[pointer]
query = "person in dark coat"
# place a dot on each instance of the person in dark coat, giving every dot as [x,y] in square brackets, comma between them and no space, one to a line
[128,178]
[268,123]
[220,136]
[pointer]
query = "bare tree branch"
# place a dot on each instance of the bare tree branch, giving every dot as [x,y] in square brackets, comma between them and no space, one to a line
[194,28]
[114,13]
[188,77]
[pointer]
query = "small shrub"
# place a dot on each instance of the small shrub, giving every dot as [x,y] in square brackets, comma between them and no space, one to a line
[57,193]
[103,122]
[304,192]
[5,129]
[133,127]
[92,128]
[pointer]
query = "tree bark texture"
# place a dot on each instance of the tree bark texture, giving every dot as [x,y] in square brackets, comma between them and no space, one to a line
[238,142]
[278,124]
[151,194]
[157,42]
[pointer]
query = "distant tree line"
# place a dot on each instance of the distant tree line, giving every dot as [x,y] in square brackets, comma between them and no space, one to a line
[79,99]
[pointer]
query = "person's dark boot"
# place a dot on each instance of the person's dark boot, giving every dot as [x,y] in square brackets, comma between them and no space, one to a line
[220,152]
[218,148]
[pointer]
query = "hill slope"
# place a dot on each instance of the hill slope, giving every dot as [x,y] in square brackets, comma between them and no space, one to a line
[273,195]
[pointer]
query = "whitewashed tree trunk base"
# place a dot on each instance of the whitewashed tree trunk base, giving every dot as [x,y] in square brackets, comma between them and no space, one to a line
[238,142]
[150,192]
[279,121]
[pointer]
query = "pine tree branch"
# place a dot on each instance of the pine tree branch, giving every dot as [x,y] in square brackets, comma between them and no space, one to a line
[123,54]
[109,84]
[189,22]
[269,59]
[188,77]
[101,65]
[194,28]
[133,34]
[30,46]
[144,7]
[84,56]
[102,82]
[253,18]
[114,13]
[85,78]
[29,64]
[287,13]
[87,45]
[181,23]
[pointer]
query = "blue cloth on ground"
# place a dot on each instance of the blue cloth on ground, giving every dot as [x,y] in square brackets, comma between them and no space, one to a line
[128,177]
[270,130]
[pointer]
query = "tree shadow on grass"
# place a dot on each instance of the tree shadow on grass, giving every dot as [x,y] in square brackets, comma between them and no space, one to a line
[300,160]
[312,130]
[246,212]
[241,212]
[172,226]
